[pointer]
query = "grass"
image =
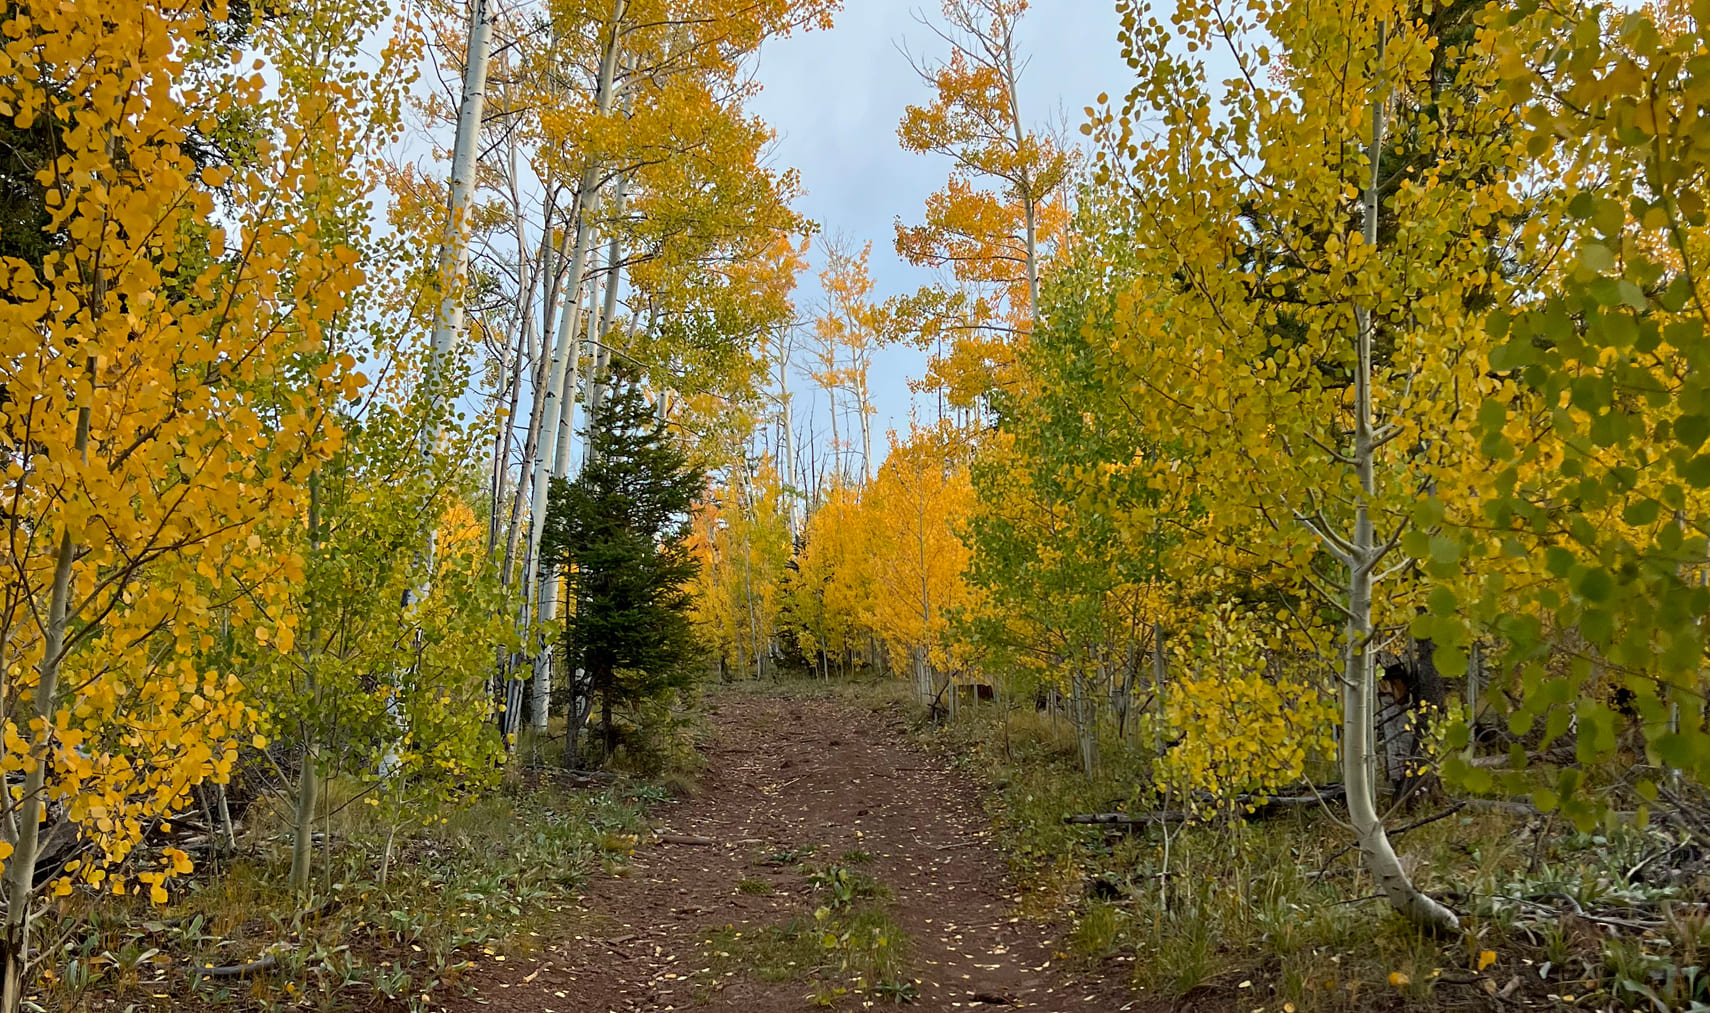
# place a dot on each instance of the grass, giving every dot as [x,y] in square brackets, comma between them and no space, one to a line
[849,946]
[481,877]
[1277,912]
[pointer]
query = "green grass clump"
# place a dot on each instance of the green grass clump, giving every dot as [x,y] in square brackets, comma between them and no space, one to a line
[851,945]
[400,906]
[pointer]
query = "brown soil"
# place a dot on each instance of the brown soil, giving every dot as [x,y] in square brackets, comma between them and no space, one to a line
[793,774]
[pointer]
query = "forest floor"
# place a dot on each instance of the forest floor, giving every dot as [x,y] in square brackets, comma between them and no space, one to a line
[824,859]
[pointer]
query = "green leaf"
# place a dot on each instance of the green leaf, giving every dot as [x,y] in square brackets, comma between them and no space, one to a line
[1597,626]
[1692,430]
[1641,512]
[1512,354]
[1596,585]
[1675,749]
[1441,601]
[1545,799]
[1696,472]
[1596,257]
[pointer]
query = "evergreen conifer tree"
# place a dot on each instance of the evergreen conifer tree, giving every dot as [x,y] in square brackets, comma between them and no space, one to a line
[617,534]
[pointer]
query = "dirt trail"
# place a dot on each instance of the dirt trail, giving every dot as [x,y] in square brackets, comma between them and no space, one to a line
[792,774]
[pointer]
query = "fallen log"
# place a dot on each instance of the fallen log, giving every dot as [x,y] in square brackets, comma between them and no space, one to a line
[574,778]
[1501,806]
[237,971]
[1130,819]
[686,839]
[1250,807]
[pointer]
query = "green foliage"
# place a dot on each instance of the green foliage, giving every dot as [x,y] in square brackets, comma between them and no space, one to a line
[851,945]
[1586,561]
[1063,572]
[617,535]
[462,880]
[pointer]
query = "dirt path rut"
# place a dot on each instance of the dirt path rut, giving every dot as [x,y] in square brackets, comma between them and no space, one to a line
[784,777]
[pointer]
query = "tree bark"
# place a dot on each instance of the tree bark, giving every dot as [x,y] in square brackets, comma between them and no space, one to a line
[562,381]
[1357,719]
[308,784]
[454,248]
[20,873]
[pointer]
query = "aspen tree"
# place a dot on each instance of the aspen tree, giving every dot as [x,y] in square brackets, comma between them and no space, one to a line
[146,476]
[991,223]
[1590,542]
[1301,377]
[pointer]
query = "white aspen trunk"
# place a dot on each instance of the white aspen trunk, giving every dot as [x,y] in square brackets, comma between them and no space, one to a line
[454,248]
[308,778]
[528,275]
[561,469]
[547,591]
[1159,671]
[561,388]
[866,426]
[1475,675]
[1029,205]
[20,875]
[748,577]
[507,434]
[836,455]
[562,382]
[1084,727]
[453,265]
[787,442]
[228,832]
[537,410]
[599,338]
[1357,690]
[792,488]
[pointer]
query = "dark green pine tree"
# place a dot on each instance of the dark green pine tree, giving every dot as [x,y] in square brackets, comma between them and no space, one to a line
[618,534]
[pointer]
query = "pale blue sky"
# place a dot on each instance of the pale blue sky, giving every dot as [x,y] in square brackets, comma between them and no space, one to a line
[835,98]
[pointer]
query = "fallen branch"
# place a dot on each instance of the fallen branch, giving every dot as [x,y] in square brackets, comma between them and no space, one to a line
[1131,819]
[686,839]
[237,971]
[574,778]
[972,842]
[1251,807]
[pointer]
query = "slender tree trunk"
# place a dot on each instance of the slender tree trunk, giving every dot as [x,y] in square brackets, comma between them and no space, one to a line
[1357,689]
[1029,203]
[836,458]
[1475,676]
[787,443]
[531,441]
[562,382]
[454,248]
[308,778]
[1084,729]
[449,314]
[20,875]
[228,833]
[506,438]
[1159,671]
[525,345]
